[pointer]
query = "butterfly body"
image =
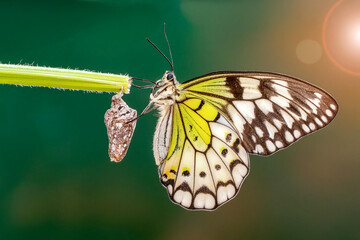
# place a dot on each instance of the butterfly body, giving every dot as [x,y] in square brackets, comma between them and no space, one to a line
[209,125]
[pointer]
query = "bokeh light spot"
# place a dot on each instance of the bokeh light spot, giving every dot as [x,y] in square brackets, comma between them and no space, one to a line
[308,51]
[357,34]
[341,35]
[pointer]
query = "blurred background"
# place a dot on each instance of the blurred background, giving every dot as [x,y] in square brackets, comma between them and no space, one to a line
[56,179]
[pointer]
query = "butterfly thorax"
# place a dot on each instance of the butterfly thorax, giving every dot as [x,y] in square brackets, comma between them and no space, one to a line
[165,91]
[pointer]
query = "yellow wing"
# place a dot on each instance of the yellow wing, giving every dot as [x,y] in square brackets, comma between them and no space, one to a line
[269,111]
[205,163]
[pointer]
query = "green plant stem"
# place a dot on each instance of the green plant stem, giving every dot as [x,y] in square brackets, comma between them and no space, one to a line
[63,78]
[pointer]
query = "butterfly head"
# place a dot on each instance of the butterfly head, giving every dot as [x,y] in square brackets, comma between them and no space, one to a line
[164,91]
[168,79]
[169,75]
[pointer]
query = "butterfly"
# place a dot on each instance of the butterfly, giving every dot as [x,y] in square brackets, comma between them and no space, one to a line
[209,125]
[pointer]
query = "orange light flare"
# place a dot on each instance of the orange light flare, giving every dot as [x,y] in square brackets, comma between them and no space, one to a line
[341,35]
[357,34]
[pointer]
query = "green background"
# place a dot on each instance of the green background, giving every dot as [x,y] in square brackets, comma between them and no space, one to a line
[56,179]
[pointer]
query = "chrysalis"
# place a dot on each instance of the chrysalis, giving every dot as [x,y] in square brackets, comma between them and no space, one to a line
[119,131]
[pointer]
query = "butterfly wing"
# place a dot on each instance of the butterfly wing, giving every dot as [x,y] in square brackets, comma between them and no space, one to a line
[202,141]
[269,111]
[205,163]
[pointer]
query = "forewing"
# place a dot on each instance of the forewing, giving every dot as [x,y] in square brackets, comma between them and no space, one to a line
[206,163]
[269,111]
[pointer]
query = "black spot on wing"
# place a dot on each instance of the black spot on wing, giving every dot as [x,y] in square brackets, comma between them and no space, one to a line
[228,137]
[224,152]
[233,163]
[235,146]
[186,173]
[206,190]
[200,106]
[168,182]
[184,187]
[234,87]
[224,184]
[217,117]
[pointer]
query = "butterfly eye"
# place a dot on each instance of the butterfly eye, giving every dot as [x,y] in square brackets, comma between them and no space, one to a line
[170,76]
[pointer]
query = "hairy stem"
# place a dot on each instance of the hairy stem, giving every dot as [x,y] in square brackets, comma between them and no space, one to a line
[63,78]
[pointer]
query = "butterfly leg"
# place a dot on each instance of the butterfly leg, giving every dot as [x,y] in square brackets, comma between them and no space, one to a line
[146,110]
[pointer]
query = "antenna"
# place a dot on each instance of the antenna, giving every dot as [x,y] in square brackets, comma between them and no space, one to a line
[172,61]
[172,67]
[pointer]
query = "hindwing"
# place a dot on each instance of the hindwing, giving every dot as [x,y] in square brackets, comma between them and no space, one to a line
[205,163]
